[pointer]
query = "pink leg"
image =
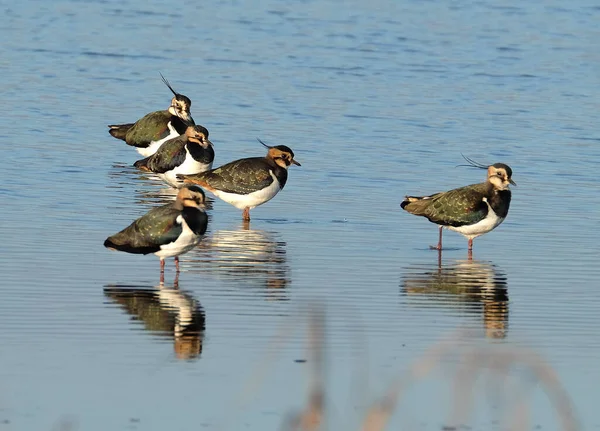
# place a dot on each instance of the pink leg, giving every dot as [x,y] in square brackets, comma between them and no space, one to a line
[439,245]
[177,264]
[162,266]
[246,214]
[470,245]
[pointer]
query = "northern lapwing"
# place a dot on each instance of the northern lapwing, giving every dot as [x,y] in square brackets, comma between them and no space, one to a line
[152,130]
[166,311]
[167,231]
[190,153]
[472,210]
[473,286]
[248,183]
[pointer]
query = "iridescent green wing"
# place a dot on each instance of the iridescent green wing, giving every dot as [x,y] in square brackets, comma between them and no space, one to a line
[462,206]
[241,177]
[159,225]
[151,127]
[145,235]
[170,155]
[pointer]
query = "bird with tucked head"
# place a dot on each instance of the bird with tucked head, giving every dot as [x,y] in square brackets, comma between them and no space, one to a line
[149,132]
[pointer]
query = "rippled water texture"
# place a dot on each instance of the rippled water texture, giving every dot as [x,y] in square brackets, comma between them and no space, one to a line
[377,99]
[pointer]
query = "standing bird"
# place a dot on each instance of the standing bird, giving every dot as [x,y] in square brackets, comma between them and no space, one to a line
[166,231]
[190,153]
[471,210]
[149,132]
[248,183]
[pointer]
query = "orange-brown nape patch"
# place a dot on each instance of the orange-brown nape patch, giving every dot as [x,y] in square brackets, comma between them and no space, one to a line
[191,196]
[282,155]
[275,153]
[190,131]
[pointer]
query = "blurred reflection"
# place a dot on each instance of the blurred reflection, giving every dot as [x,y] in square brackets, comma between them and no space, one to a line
[160,196]
[165,311]
[248,257]
[476,286]
[151,190]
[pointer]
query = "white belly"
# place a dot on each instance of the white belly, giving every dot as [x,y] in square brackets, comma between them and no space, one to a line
[490,222]
[251,200]
[155,145]
[188,167]
[184,243]
[173,299]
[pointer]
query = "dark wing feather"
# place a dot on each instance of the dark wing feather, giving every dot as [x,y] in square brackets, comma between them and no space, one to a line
[458,207]
[169,155]
[145,235]
[151,127]
[119,131]
[241,176]
[142,164]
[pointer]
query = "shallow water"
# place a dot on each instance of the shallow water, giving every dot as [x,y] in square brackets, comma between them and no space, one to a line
[377,99]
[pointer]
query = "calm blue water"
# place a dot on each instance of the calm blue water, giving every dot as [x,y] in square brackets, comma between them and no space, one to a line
[377,99]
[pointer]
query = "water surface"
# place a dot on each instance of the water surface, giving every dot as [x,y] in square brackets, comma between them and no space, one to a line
[377,99]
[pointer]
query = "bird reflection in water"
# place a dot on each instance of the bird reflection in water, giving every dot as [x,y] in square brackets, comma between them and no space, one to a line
[162,196]
[250,258]
[476,286]
[165,311]
[122,176]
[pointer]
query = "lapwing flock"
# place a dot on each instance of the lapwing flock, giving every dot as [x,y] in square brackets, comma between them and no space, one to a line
[178,150]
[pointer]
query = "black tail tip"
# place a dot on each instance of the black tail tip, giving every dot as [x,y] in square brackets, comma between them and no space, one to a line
[404,203]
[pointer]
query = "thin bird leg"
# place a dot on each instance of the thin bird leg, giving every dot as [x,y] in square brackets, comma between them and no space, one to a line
[470,252]
[246,214]
[162,266]
[439,245]
[177,264]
